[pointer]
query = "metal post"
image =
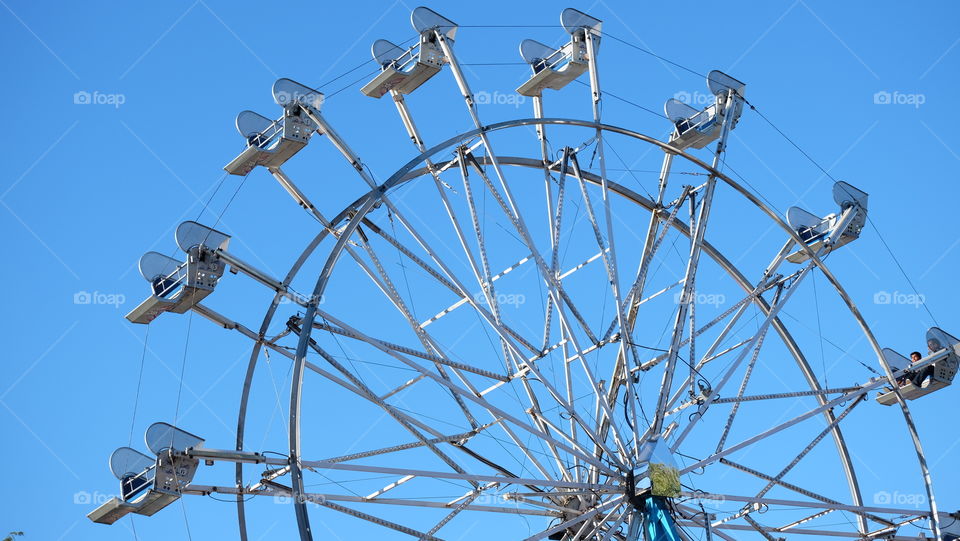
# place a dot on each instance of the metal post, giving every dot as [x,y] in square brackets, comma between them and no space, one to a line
[689,277]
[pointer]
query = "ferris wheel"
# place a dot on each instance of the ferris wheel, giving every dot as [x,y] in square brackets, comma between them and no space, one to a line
[502,321]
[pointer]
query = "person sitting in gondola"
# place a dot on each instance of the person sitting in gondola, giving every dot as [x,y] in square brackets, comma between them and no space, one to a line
[922,377]
[908,374]
[925,376]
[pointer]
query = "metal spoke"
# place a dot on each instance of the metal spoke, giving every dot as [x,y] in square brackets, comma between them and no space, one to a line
[474,397]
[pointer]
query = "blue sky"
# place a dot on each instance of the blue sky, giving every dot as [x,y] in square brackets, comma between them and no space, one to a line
[865,88]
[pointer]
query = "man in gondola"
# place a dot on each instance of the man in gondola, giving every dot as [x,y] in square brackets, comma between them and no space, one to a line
[921,377]
[908,374]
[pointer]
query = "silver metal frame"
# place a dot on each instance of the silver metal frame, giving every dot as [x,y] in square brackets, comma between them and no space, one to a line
[588,500]
[353,216]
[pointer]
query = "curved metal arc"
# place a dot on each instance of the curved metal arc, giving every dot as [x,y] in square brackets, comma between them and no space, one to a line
[745,284]
[404,173]
[296,383]
[399,175]
[255,355]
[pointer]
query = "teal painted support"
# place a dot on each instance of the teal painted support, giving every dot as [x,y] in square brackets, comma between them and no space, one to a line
[658,524]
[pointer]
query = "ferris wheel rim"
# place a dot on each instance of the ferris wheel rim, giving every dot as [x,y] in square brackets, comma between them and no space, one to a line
[407,173]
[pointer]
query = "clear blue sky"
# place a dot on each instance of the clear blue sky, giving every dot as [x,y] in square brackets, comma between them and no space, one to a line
[866,88]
